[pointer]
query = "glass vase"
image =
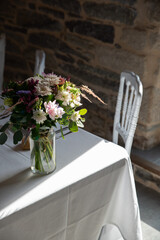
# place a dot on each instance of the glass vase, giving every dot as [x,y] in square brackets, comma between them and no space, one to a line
[43,152]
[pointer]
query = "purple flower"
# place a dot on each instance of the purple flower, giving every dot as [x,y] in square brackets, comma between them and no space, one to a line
[23,92]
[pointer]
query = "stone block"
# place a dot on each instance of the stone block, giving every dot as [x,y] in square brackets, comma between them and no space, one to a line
[66,58]
[153,10]
[14,75]
[52,12]
[154,41]
[30,52]
[101,83]
[150,108]
[43,40]
[12,46]
[110,11]
[51,61]
[102,32]
[65,48]
[79,43]
[7,9]
[32,19]
[95,124]
[16,62]
[17,37]
[119,60]
[134,39]
[147,178]
[69,5]
[146,137]
[99,71]
[32,6]
[15,29]
[127,2]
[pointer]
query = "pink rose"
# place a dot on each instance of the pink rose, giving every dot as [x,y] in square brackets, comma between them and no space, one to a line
[53,110]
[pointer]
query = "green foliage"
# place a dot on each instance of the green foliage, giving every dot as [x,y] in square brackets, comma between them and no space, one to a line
[62,132]
[49,98]
[73,126]
[4,127]
[35,132]
[3,138]
[27,111]
[17,136]
[83,111]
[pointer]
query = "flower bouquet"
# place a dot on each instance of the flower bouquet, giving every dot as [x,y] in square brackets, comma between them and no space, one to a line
[34,107]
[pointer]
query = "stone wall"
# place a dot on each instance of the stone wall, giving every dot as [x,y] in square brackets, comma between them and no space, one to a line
[92,41]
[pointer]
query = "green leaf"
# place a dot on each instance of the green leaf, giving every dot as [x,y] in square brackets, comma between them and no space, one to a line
[73,126]
[83,111]
[15,127]
[35,132]
[17,137]
[5,126]
[49,98]
[62,132]
[3,138]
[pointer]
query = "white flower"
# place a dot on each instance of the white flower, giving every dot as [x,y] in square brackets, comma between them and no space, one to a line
[64,96]
[75,116]
[51,78]
[34,79]
[43,90]
[39,116]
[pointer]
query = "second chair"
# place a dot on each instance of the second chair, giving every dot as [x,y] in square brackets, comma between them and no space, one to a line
[39,62]
[127,108]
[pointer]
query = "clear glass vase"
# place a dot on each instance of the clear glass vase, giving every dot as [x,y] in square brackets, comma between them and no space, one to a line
[43,152]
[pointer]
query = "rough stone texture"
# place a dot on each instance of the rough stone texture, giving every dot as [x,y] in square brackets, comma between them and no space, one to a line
[148,138]
[43,40]
[104,33]
[154,41]
[94,79]
[147,178]
[112,12]
[66,58]
[65,48]
[52,12]
[134,39]
[93,42]
[69,5]
[16,62]
[127,2]
[150,114]
[79,43]
[31,19]
[17,29]
[120,60]
[7,9]
[153,10]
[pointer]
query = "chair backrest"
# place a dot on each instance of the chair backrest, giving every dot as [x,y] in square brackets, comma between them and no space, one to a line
[2,58]
[127,108]
[39,62]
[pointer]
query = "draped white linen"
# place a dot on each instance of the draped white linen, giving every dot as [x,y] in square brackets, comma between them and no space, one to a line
[92,186]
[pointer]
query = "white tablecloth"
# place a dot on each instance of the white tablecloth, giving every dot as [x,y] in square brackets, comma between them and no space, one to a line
[92,186]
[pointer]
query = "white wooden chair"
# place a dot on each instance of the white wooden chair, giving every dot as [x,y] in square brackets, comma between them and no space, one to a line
[39,62]
[127,108]
[2,58]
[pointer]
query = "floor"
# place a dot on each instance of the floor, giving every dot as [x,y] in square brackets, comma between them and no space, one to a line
[152,155]
[149,203]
